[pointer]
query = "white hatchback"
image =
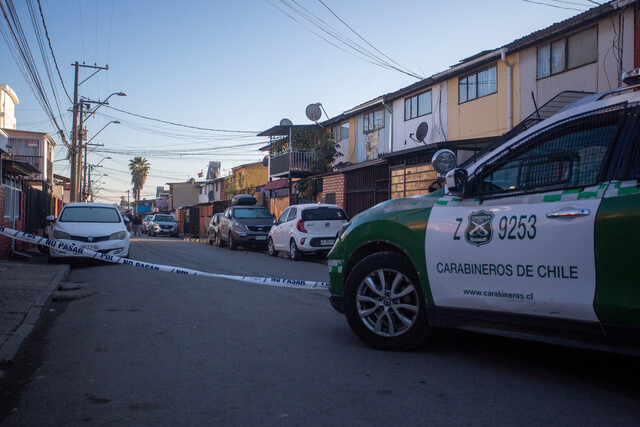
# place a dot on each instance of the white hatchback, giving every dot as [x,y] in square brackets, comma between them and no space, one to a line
[306,228]
[95,226]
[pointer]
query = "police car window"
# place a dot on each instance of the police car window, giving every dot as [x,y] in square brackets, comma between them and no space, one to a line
[571,154]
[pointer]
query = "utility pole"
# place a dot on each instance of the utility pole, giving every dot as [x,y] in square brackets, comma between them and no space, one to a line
[76,144]
[74,138]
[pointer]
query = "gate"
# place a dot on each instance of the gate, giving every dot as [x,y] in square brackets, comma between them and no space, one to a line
[366,187]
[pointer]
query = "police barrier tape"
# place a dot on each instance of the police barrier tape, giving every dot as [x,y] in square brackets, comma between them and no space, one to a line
[78,251]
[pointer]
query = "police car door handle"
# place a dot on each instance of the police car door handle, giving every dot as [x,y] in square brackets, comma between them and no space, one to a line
[568,213]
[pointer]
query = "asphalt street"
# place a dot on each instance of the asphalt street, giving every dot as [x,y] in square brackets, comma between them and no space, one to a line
[155,348]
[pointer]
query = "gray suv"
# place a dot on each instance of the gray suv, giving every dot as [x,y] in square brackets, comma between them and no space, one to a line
[163,224]
[244,224]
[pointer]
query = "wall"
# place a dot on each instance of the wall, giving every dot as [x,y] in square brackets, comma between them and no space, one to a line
[332,184]
[254,174]
[595,77]
[5,242]
[183,195]
[361,137]
[436,120]
[486,116]
[8,100]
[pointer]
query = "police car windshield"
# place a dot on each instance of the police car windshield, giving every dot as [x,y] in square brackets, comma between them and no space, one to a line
[89,214]
[251,213]
[164,218]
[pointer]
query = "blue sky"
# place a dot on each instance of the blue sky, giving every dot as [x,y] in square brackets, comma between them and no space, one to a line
[240,65]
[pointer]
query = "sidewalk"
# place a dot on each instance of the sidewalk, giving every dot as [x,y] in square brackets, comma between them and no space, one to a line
[25,294]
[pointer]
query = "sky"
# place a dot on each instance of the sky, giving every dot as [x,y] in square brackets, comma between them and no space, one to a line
[238,66]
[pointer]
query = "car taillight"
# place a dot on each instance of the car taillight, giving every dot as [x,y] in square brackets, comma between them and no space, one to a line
[300,226]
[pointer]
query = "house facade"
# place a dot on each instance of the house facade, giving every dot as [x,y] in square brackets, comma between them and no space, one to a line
[474,102]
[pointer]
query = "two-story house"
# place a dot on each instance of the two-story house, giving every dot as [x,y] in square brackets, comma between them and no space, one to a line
[474,102]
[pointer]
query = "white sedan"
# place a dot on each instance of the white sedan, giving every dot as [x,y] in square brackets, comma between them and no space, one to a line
[306,228]
[95,226]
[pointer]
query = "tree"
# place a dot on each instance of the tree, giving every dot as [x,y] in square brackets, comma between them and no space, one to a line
[234,185]
[139,167]
[325,152]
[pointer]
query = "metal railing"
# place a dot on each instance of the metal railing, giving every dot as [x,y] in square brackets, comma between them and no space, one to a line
[297,161]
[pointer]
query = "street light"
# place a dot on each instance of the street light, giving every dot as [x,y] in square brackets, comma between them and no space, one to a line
[84,179]
[76,177]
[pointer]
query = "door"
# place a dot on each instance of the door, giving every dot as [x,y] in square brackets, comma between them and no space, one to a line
[277,234]
[522,240]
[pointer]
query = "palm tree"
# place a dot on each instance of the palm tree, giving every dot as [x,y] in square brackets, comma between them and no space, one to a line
[139,167]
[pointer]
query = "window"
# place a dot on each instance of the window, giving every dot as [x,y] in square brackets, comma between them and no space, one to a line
[568,53]
[477,85]
[292,214]
[341,131]
[373,121]
[283,216]
[417,106]
[571,154]
[11,198]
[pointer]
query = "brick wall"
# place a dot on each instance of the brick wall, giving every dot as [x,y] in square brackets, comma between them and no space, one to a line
[5,242]
[333,184]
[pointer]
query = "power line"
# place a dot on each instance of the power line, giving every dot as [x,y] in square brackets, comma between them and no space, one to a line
[180,124]
[55,61]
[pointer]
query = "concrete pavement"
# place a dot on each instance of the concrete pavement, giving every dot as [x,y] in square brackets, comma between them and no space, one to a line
[25,293]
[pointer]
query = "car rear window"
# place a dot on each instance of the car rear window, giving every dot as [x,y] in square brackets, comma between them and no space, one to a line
[89,214]
[251,213]
[164,218]
[323,214]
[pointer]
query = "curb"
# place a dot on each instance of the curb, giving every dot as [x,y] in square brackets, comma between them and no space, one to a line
[11,346]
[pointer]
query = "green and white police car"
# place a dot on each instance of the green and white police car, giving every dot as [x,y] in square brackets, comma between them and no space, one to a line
[537,239]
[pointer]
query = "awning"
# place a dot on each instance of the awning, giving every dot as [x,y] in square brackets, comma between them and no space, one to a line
[16,167]
[275,185]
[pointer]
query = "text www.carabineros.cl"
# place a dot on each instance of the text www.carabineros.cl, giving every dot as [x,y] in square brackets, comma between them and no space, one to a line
[498,294]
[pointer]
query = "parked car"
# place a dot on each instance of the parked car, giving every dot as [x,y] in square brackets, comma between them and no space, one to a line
[306,228]
[212,229]
[144,228]
[163,224]
[96,226]
[536,239]
[244,224]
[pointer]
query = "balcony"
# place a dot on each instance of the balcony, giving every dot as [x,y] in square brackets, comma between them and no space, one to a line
[298,162]
[35,161]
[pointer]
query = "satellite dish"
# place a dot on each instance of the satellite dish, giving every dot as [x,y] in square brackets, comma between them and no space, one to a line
[313,112]
[286,122]
[421,132]
[265,161]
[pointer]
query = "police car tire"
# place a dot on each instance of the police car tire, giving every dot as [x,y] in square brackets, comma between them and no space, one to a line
[416,334]
[232,243]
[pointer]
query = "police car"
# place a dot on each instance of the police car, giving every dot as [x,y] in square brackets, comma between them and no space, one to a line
[538,239]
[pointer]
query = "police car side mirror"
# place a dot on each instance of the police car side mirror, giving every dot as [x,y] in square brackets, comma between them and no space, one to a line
[126,219]
[51,218]
[457,182]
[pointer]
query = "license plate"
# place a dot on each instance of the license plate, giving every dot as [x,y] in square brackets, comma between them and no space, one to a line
[261,237]
[90,247]
[327,242]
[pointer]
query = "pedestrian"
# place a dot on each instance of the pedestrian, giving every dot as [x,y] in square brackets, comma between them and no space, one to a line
[137,222]
[130,222]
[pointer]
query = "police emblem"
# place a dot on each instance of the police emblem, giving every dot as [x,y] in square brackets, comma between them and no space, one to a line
[479,231]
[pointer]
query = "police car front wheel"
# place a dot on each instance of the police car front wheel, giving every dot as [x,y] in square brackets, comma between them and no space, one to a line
[384,303]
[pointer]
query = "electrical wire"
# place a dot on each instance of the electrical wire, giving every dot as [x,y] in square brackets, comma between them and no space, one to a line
[350,47]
